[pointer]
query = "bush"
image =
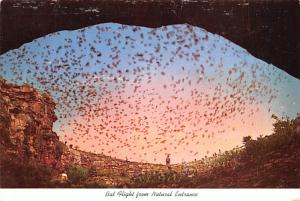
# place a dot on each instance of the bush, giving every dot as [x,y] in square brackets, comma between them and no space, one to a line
[77,174]
[154,179]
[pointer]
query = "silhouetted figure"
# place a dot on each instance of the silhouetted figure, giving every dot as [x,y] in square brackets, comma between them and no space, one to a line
[168,161]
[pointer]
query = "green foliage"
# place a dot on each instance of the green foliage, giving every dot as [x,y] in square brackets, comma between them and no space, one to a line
[77,174]
[283,139]
[104,172]
[92,171]
[154,179]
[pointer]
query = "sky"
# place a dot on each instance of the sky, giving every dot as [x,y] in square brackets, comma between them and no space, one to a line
[141,93]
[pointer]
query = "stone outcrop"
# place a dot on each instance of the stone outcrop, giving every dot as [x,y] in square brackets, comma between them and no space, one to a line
[26,119]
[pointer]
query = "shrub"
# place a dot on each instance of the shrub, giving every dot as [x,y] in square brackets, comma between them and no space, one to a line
[77,174]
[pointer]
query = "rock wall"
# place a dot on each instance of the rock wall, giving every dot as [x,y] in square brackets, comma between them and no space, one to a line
[26,118]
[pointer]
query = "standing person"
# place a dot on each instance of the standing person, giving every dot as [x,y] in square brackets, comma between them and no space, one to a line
[168,161]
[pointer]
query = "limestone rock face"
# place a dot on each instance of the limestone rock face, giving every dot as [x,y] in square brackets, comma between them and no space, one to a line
[26,119]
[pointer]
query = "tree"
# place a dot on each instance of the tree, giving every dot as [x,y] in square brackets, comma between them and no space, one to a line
[246,140]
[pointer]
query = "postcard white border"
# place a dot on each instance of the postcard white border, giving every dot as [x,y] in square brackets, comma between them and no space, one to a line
[99,194]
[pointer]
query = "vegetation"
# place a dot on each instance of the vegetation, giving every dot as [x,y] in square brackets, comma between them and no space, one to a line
[268,161]
[77,174]
[156,178]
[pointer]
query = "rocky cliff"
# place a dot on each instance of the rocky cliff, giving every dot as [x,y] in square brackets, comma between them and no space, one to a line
[26,118]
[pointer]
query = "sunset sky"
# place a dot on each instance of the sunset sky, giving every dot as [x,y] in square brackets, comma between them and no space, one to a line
[140,93]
